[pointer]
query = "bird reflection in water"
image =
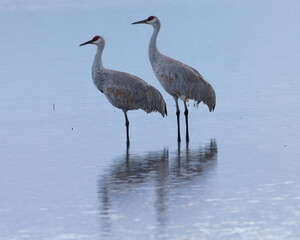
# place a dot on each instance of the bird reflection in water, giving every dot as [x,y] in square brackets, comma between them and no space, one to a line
[158,172]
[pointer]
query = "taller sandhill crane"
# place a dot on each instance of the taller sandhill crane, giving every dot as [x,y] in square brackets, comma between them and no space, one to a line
[123,90]
[178,79]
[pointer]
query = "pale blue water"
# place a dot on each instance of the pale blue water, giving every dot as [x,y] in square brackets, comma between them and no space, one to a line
[65,172]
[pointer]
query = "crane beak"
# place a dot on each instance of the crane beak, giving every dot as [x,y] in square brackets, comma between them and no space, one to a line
[88,42]
[143,21]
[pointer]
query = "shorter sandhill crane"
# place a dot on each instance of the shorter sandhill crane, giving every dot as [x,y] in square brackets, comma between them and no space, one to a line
[178,79]
[123,90]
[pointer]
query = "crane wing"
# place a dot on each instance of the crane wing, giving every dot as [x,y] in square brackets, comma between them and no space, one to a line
[129,92]
[186,82]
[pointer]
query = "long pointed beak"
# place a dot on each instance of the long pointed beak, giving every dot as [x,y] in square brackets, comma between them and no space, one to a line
[88,42]
[143,21]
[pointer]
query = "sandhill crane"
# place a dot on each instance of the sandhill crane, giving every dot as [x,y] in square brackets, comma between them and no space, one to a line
[123,90]
[178,79]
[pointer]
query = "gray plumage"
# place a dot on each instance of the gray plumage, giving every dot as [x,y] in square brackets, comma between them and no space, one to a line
[184,82]
[178,79]
[128,92]
[123,90]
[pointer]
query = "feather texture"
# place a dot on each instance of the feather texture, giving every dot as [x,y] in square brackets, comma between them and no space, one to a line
[128,92]
[184,82]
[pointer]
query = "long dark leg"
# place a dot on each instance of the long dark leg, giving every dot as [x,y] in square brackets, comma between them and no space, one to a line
[178,121]
[127,128]
[186,113]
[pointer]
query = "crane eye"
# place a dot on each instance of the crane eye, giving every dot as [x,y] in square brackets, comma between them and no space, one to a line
[95,38]
[150,18]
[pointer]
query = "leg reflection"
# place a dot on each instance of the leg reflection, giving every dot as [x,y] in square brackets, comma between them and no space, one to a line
[140,179]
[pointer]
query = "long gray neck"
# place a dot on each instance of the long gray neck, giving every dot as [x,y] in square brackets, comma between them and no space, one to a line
[98,71]
[153,51]
[97,65]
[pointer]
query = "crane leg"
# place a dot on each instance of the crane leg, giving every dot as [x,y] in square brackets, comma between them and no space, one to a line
[186,113]
[178,122]
[127,127]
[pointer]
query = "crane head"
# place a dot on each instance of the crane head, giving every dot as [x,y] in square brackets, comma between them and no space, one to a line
[97,40]
[150,20]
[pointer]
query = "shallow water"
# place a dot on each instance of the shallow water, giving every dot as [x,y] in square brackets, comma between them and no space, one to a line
[66,172]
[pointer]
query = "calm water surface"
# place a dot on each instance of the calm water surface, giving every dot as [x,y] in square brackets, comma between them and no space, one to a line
[65,170]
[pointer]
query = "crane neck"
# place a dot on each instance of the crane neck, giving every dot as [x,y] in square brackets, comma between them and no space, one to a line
[153,51]
[97,65]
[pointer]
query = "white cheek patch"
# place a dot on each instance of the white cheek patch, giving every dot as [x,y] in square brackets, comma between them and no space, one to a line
[151,21]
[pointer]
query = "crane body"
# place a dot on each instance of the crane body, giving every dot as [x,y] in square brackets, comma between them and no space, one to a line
[178,79]
[123,90]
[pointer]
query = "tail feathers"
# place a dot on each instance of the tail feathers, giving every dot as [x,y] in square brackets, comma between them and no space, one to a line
[207,96]
[162,111]
[155,102]
[213,108]
[211,104]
